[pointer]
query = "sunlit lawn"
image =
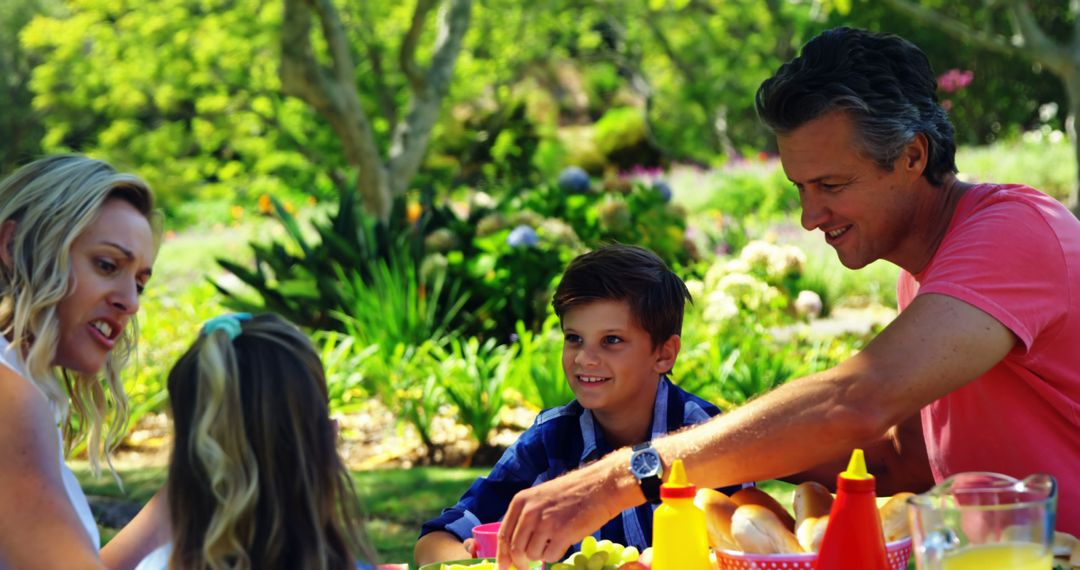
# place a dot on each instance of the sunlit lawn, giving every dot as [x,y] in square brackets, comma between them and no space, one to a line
[395,501]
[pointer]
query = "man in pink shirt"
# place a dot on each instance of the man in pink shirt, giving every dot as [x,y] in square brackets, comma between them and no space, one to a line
[979,371]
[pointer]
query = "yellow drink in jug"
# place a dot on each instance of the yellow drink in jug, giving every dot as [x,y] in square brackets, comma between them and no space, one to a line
[999,557]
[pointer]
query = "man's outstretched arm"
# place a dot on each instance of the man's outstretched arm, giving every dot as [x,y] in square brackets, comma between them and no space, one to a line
[935,346]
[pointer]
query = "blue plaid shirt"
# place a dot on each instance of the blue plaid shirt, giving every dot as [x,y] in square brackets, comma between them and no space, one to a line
[561,440]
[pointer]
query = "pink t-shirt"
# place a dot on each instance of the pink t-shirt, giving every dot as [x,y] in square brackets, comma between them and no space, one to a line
[1014,253]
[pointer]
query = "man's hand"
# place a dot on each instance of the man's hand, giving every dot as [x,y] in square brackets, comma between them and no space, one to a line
[544,521]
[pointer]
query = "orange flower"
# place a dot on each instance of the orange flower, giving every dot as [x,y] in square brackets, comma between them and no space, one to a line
[413,211]
[265,207]
[237,212]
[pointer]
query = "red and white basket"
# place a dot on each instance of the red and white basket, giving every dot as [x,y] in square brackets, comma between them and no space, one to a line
[897,552]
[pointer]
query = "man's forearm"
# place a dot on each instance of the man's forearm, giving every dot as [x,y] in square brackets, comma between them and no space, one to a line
[803,423]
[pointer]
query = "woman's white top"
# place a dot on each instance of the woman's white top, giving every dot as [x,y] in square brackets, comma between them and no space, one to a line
[71,485]
[158,559]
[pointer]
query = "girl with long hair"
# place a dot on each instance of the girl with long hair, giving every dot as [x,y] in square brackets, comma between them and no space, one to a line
[255,479]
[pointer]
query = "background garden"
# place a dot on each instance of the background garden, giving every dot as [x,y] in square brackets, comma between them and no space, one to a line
[406,180]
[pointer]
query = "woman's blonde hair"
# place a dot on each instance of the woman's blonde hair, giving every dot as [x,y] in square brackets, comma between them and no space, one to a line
[255,479]
[52,201]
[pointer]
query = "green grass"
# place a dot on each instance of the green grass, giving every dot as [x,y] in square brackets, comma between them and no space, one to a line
[394,501]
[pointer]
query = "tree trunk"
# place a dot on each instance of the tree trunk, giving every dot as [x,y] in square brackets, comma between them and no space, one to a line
[331,91]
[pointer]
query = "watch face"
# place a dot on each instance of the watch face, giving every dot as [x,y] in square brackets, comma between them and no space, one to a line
[645,463]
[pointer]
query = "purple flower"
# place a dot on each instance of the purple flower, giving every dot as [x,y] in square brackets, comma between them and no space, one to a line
[574,180]
[523,236]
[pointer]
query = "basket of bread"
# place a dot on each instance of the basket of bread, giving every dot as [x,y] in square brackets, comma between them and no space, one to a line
[750,530]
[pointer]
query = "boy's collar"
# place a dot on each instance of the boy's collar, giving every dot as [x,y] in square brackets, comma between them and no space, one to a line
[593,437]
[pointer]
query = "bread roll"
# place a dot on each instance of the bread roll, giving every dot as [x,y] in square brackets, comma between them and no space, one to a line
[811,500]
[757,530]
[755,496]
[810,533]
[894,517]
[718,511]
[1063,543]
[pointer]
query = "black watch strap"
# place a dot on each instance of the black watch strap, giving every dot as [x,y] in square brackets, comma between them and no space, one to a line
[650,487]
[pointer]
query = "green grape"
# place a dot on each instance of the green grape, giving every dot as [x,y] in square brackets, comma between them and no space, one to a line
[561,566]
[630,554]
[588,545]
[604,545]
[597,561]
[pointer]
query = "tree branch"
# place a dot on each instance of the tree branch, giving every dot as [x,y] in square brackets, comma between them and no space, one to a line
[1043,48]
[374,55]
[407,55]
[333,96]
[301,75]
[448,42]
[1035,45]
[954,27]
[411,136]
[1074,10]
[341,58]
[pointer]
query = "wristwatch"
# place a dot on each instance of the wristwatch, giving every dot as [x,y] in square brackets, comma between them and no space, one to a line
[647,468]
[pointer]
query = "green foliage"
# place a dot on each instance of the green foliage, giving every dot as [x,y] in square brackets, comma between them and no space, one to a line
[509,252]
[1043,159]
[474,375]
[407,380]
[169,323]
[537,371]
[313,282]
[1007,91]
[184,93]
[22,126]
[510,283]
[751,190]
[397,305]
[619,128]
[347,387]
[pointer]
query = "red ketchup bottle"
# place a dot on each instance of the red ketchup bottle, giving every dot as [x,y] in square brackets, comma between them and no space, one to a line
[853,538]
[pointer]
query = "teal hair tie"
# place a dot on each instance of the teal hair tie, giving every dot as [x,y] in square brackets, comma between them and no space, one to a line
[229,323]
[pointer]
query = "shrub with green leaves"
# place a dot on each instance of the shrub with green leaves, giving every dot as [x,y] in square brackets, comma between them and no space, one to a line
[168,324]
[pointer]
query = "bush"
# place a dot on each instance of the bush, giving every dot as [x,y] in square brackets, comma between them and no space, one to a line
[1044,160]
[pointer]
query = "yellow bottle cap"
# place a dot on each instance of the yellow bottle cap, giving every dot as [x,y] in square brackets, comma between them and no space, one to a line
[678,475]
[856,468]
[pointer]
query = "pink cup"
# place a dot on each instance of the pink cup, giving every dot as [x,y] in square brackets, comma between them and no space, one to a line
[487,539]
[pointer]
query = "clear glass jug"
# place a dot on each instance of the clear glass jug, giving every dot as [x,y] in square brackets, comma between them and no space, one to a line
[985,521]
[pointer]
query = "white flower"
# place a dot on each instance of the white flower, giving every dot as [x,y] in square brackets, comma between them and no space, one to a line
[808,304]
[696,288]
[719,307]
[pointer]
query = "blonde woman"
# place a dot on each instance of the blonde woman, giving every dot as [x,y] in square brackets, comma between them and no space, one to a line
[77,243]
[255,479]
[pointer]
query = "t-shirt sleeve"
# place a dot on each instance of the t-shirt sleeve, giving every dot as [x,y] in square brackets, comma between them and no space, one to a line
[488,497]
[1007,261]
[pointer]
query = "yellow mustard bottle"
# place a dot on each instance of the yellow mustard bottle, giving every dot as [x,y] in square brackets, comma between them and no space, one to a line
[680,539]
